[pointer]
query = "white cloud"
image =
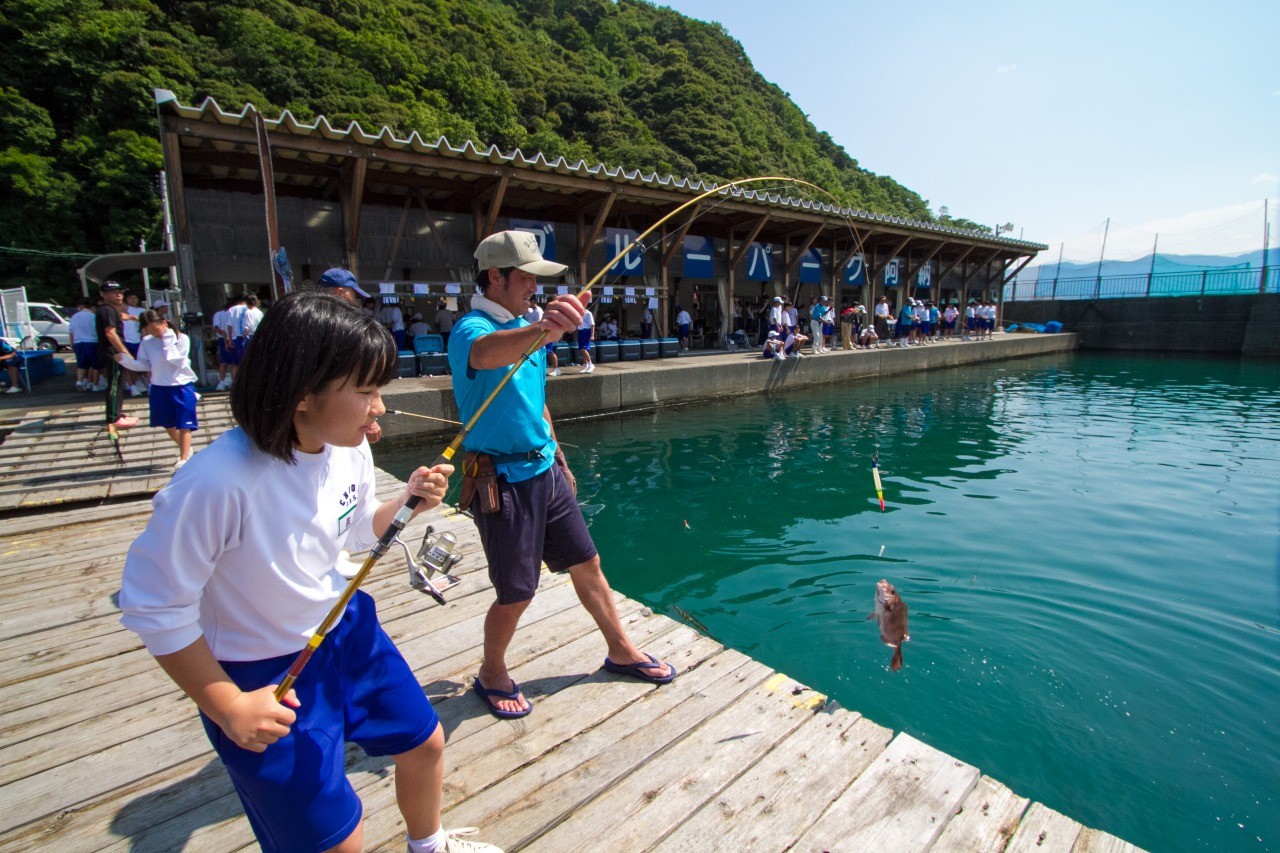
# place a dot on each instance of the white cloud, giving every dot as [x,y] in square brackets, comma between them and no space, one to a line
[1266,178]
[1007,69]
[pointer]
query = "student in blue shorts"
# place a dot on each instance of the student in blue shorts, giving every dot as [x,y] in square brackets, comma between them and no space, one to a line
[237,567]
[164,353]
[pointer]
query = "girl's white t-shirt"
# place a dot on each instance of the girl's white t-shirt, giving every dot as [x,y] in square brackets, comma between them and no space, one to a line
[242,548]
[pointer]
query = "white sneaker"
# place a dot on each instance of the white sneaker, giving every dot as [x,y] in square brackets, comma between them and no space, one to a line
[14,389]
[777,356]
[588,368]
[101,386]
[454,843]
[142,388]
[555,371]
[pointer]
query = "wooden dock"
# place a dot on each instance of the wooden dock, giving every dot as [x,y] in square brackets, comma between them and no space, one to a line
[100,751]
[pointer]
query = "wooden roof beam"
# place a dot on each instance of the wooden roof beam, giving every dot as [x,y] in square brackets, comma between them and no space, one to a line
[804,247]
[735,257]
[981,265]
[956,263]
[589,239]
[879,267]
[677,239]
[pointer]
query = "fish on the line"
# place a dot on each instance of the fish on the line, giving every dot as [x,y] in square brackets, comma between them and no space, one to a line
[891,615]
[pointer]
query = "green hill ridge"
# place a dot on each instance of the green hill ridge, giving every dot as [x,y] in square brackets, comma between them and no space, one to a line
[625,83]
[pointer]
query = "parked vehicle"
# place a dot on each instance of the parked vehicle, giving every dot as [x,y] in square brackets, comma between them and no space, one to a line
[51,329]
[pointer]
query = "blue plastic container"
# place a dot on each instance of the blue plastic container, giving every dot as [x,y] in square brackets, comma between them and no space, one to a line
[433,364]
[629,350]
[604,351]
[649,348]
[668,347]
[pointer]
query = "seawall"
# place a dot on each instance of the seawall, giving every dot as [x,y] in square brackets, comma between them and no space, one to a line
[1246,325]
[637,385]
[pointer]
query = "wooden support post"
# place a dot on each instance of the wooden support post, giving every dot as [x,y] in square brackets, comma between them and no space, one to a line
[497,193]
[395,244]
[351,193]
[587,241]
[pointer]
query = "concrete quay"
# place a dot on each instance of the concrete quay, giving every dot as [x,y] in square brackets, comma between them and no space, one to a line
[627,386]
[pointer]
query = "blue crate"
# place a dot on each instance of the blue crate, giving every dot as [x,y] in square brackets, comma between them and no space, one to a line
[604,351]
[433,364]
[649,348]
[668,347]
[629,350]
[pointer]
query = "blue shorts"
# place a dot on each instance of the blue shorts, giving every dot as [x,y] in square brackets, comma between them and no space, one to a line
[926,328]
[226,355]
[132,348]
[539,520]
[238,347]
[551,348]
[685,329]
[86,355]
[971,322]
[357,687]
[173,406]
[584,339]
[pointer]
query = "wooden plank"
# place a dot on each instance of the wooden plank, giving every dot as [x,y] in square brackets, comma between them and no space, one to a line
[777,800]
[901,802]
[535,798]
[1044,830]
[987,819]
[1097,841]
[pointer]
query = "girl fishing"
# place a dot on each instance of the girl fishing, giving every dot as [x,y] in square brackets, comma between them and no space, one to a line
[163,353]
[236,569]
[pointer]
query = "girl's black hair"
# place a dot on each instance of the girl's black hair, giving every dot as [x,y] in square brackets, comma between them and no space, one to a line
[146,318]
[304,343]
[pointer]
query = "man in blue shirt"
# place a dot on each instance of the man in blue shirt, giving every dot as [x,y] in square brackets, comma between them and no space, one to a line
[517,482]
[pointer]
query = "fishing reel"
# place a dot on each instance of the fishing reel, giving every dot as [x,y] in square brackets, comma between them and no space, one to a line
[435,557]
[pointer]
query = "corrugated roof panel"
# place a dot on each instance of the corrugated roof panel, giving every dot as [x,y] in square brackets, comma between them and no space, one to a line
[209,109]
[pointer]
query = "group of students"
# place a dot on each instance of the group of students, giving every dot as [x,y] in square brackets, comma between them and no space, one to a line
[234,325]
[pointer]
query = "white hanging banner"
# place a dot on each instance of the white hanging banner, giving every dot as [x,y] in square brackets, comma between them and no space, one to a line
[649,291]
[421,289]
[630,291]
[562,289]
[653,303]
[387,287]
[453,287]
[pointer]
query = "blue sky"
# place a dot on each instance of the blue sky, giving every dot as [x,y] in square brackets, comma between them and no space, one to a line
[1164,117]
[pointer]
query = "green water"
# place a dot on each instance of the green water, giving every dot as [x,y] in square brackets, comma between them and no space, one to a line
[1089,545]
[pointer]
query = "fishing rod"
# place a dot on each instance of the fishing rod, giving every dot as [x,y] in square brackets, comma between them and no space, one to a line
[405,513]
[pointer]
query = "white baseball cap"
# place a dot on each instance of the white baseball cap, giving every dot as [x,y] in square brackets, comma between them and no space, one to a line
[517,249]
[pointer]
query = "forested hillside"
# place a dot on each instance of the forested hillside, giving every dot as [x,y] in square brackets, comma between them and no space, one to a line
[625,83]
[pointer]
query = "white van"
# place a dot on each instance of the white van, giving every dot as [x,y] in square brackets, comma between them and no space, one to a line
[50,326]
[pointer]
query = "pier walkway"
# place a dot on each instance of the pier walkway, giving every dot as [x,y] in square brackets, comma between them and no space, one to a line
[100,751]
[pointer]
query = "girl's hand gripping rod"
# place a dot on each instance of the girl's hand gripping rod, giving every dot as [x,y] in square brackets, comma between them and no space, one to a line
[446,456]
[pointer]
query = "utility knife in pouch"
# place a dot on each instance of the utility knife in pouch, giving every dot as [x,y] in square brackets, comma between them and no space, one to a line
[480,479]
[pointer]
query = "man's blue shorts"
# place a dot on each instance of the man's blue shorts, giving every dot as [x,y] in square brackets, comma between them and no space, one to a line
[356,687]
[173,406]
[584,338]
[539,520]
[86,355]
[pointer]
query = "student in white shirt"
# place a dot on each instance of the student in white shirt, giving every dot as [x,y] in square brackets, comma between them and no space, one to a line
[135,384]
[393,318]
[164,353]
[84,340]
[238,567]
[586,331]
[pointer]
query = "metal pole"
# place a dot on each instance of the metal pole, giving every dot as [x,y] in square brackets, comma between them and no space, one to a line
[1105,230]
[1266,243]
[1151,273]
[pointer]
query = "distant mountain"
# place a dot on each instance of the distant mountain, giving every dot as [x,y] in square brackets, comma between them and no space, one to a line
[1049,269]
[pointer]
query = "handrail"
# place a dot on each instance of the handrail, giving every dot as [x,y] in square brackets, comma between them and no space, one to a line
[1209,281]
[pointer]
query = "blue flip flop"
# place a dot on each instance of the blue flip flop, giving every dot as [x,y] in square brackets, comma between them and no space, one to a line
[637,670]
[485,693]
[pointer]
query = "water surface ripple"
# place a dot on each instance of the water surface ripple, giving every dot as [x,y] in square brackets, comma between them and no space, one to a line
[1089,545]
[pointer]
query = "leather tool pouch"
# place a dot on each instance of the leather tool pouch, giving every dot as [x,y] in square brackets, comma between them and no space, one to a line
[480,479]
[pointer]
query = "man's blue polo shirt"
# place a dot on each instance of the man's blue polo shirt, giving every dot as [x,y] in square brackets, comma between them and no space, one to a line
[513,424]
